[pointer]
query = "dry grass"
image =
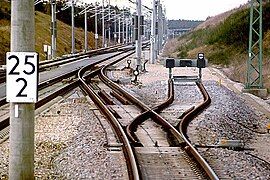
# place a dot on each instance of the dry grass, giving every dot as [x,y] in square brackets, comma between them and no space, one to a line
[43,37]
[231,58]
[63,36]
[215,20]
[170,48]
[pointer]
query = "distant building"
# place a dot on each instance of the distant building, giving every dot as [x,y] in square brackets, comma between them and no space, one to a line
[179,27]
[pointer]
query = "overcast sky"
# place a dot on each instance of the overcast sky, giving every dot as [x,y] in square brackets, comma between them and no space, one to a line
[198,9]
[188,9]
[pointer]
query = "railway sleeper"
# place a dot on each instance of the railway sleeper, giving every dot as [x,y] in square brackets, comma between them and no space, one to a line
[114,146]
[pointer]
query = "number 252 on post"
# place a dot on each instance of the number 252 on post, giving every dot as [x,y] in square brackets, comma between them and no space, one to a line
[22,77]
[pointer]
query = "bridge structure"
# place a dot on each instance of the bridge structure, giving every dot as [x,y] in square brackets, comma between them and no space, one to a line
[172,33]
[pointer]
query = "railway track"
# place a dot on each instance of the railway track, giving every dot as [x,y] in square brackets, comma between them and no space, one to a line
[182,141]
[178,146]
[65,87]
[49,64]
[128,152]
[135,153]
[153,113]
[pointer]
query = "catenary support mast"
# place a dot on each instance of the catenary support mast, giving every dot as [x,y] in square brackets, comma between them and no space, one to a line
[21,151]
[53,27]
[139,40]
[153,34]
[254,69]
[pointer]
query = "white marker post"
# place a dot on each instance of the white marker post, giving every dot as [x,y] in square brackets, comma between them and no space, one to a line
[22,77]
[21,89]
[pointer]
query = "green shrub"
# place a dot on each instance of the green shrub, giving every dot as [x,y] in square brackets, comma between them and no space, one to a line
[233,31]
[220,56]
[182,52]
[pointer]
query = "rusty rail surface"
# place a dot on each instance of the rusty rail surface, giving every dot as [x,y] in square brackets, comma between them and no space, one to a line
[47,64]
[186,118]
[128,152]
[75,57]
[5,122]
[153,113]
[60,92]
[55,80]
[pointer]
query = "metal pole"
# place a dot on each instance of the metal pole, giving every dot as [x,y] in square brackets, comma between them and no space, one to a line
[123,29]
[153,34]
[127,38]
[159,27]
[72,29]
[85,31]
[96,28]
[21,145]
[103,25]
[255,59]
[139,41]
[163,28]
[109,29]
[119,29]
[129,29]
[53,27]
[115,26]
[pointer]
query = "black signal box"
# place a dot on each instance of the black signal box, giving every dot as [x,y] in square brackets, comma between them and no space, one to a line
[170,63]
[201,60]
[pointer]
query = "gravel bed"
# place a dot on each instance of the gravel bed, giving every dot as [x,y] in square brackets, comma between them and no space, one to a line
[228,117]
[70,143]
[152,90]
[236,165]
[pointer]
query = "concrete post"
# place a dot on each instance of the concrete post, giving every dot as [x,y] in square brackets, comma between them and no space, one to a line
[103,24]
[127,31]
[160,24]
[153,34]
[119,29]
[115,27]
[139,41]
[21,146]
[123,28]
[96,28]
[109,29]
[53,27]
[72,29]
[85,31]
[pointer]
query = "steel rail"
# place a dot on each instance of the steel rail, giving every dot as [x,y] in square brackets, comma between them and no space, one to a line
[128,152]
[62,91]
[44,65]
[160,120]
[64,60]
[132,127]
[52,81]
[190,114]
[138,103]
[5,122]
